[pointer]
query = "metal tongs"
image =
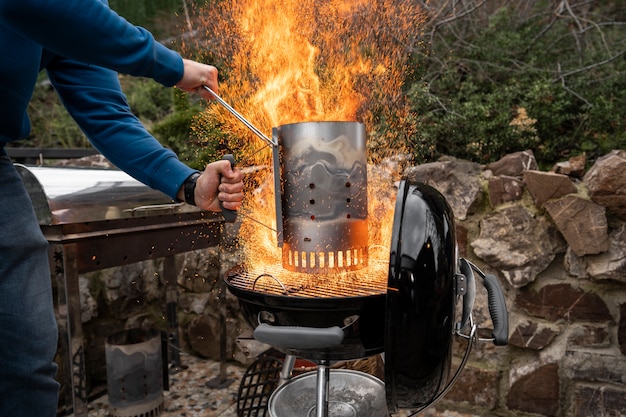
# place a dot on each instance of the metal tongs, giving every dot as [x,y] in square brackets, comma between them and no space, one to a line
[241,118]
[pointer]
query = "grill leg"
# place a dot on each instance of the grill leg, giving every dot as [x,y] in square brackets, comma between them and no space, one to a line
[171,298]
[64,268]
[221,381]
[285,372]
[323,380]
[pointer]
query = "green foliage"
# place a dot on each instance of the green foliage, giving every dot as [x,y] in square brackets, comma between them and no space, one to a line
[521,83]
[169,114]
[482,123]
[149,100]
[146,12]
[175,132]
[51,124]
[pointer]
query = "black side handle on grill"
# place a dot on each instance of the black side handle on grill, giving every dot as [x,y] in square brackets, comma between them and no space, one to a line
[497,310]
[295,337]
[229,215]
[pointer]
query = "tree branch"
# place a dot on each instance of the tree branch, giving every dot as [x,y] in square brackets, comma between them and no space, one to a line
[592,66]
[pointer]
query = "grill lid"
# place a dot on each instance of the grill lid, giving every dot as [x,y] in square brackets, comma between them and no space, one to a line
[63,195]
[420,305]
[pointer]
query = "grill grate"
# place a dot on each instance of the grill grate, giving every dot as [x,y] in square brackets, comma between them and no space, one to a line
[275,280]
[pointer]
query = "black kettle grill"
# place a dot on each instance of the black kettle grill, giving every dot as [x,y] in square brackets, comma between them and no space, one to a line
[413,323]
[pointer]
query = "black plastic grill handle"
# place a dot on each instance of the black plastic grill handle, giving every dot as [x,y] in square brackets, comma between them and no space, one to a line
[295,337]
[497,310]
[229,215]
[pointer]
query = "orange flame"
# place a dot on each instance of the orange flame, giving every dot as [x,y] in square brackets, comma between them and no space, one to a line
[291,61]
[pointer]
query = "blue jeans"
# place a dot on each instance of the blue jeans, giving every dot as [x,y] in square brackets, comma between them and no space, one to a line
[28,330]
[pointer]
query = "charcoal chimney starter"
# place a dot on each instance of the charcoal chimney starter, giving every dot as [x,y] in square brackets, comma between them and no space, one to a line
[321,196]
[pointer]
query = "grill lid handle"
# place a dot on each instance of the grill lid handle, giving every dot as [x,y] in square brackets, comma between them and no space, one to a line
[497,310]
[295,337]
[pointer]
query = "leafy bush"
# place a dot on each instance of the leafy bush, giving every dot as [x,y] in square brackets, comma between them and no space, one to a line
[51,124]
[175,131]
[148,100]
[504,81]
[148,13]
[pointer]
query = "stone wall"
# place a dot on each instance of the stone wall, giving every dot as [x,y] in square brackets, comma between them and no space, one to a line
[556,240]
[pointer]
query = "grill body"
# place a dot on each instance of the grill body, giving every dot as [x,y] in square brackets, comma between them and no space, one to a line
[410,316]
[361,318]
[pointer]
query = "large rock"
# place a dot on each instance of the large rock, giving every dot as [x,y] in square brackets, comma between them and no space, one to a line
[537,392]
[477,387]
[557,302]
[533,335]
[581,222]
[513,165]
[504,189]
[588,335]
[88,304]
[606,181]
[612,263]
[517,244]
[199,271]
[593,402]
[544,186]
[203,333]
[599,366]
[574,167]
[457,180]
[130,288]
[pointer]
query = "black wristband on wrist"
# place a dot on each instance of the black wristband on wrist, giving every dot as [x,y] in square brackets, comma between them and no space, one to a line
[189,188]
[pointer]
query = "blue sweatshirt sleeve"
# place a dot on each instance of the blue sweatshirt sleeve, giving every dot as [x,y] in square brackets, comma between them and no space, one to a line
[93,33]
[94,98]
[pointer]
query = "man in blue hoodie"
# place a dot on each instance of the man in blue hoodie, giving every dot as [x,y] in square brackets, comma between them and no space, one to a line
[82,44]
